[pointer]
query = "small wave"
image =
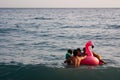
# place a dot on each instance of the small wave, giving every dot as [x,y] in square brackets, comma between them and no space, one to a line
[72,26]
[7,30]
[20,44]
[113,27]
[43,18]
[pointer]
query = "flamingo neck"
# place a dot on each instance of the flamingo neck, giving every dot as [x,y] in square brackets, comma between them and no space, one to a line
[88,51]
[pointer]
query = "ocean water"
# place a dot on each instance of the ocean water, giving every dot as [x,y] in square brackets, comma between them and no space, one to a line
[33,42]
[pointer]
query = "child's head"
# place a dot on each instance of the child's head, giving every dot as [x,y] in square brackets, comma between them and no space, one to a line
[78,49]
[84,49]
[70,51]
[75,52]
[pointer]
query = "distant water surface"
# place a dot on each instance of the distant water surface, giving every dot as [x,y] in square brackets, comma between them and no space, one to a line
[33,40]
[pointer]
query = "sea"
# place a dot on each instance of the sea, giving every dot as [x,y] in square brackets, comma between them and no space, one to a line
[34,41]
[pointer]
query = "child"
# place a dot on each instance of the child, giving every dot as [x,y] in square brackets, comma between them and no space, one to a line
[79,51]
[84,52]
[68,57]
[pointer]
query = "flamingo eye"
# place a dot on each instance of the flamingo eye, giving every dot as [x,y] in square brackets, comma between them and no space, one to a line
[92,46]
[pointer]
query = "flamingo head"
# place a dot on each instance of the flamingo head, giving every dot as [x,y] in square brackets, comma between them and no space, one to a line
[90,43]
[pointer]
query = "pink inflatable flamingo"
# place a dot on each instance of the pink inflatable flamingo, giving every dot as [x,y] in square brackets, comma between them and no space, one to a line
[90,59]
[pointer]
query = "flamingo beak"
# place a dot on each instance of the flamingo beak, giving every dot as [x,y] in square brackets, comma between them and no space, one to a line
[92,46]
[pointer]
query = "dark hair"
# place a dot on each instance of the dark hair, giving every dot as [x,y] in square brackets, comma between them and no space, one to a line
[78,49]
[70,51]
[84,49]
[75,52]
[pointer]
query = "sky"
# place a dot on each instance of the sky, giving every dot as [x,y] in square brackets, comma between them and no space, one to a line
[59,3]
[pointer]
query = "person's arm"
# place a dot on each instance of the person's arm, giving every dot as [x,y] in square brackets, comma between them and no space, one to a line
[99,57]
[67,60]
[96,55]
[83,57]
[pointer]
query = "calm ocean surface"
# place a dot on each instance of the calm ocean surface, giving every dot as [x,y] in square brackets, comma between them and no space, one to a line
[33,43]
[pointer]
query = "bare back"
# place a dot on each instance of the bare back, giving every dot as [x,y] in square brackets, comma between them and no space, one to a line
[76,60]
